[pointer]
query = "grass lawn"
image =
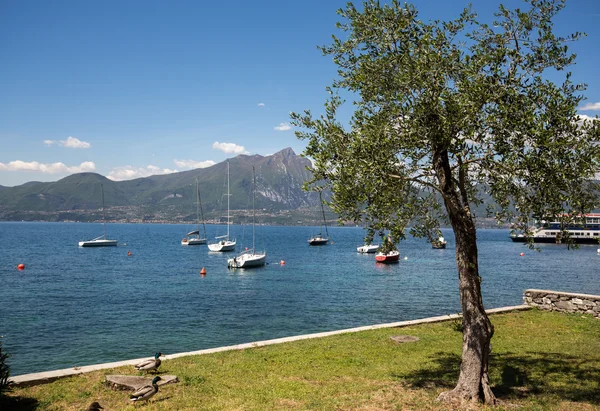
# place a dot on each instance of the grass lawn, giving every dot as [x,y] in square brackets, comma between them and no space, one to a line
[540,361]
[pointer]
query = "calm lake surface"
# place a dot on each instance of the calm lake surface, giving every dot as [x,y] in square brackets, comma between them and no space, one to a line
[76,306]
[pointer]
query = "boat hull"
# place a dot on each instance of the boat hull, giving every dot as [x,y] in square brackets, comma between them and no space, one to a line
[222,246]
[438,246]
[318,241]
[553,240]
[247,261]
[389,258]
[98,243]
[193,241]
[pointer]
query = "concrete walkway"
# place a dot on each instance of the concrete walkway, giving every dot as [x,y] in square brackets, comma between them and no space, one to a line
[48,376]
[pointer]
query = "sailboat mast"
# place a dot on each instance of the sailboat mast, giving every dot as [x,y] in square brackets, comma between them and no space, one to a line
[253,209]
[200,205]
[227,200]
[323,210]
[103,212]
[197,207]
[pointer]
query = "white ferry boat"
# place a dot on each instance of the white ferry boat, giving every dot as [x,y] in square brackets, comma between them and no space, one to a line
[584,231]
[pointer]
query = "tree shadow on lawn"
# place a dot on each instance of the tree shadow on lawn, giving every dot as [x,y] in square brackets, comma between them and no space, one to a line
[517,376]
[16,403]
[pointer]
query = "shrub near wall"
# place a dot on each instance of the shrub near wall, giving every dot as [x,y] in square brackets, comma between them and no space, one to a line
[565,302]
[4,369]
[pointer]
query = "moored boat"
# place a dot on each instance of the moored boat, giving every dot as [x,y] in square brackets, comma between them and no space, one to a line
[389,257]
[193,237]
[319,239]
[367,248]
[100,241]
[440,243]
[250,258]
[225,243]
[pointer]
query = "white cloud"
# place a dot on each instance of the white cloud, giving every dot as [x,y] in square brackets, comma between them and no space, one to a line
[191,164]
[584,117]
[229,148]
[261,104]
[590,106]
[129,172]
[70,142]
[52,168]
[283,127]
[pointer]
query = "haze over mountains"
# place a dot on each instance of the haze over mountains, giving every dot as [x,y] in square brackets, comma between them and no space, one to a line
[279,179]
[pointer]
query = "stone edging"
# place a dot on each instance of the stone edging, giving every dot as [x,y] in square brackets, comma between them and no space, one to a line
[564,302]
[48,376]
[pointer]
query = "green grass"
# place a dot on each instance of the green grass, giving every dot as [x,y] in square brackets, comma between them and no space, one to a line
[540,361]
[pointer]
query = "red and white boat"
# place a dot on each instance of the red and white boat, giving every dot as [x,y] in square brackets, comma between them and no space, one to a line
[391,257]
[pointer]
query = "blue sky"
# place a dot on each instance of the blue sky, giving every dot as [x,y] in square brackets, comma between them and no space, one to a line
[133,88]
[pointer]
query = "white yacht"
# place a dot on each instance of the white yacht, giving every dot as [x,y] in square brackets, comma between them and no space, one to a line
[584,231]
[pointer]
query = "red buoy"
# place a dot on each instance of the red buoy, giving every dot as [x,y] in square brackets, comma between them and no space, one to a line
[203,271]
[128,253]
[522,254]
[21,266]
[282,262]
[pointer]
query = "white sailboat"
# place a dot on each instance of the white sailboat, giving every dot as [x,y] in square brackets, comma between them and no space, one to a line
[100,241]
[225,243]
[250,258]
[193,237]
[319,239]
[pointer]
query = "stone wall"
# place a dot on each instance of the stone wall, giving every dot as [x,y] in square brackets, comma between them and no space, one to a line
[565,302]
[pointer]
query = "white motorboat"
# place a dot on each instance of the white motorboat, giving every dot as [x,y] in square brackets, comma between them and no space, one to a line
[367,248]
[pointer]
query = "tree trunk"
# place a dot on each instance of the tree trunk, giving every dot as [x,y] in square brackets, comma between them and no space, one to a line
[473,383]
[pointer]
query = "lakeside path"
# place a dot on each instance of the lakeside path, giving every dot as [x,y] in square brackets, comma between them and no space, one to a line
[540,360]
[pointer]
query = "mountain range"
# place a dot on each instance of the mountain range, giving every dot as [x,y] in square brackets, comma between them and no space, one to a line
[279,180]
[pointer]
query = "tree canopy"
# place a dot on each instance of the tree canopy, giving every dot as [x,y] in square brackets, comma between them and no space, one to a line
[478,92]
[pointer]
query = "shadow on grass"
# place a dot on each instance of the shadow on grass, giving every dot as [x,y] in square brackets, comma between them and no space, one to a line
[517,376]
[18,403]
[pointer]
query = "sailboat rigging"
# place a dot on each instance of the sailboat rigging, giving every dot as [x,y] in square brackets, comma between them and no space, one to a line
[193,237]
[250,258]
[100,241]
[224,243]
[319,239]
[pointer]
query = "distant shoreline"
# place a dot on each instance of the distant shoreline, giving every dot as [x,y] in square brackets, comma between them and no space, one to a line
[331,223]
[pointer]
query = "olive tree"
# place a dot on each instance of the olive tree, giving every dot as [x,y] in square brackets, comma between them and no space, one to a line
[447,113]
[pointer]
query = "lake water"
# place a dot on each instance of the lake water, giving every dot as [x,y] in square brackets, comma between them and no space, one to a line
[76,306]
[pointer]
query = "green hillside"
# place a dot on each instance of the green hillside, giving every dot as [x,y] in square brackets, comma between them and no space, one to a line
[279,179]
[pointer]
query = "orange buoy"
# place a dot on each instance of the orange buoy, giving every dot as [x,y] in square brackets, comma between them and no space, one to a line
[21,266]
[282,262]
[203,271]
[128,253]
[522,254]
